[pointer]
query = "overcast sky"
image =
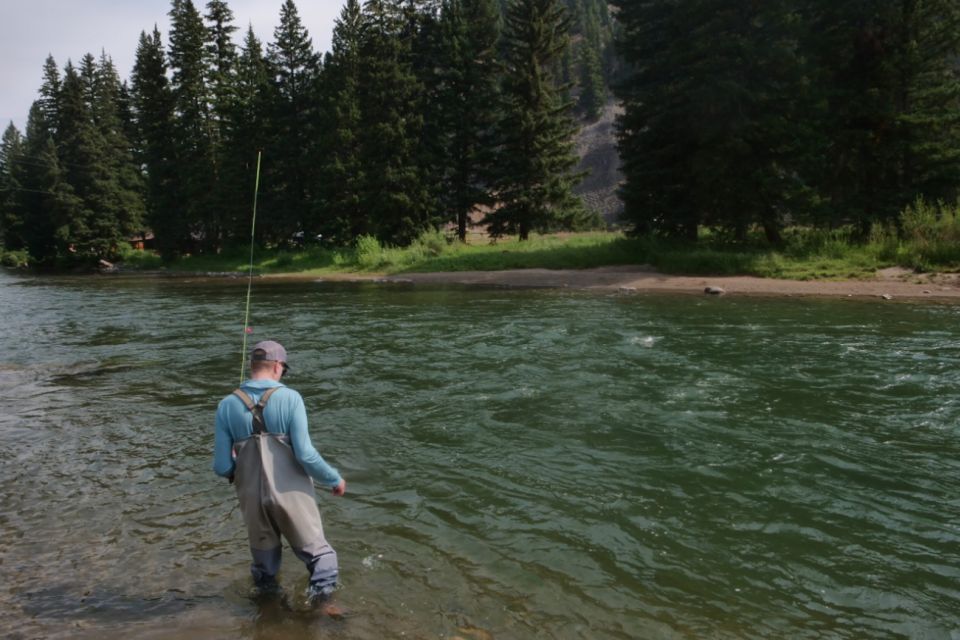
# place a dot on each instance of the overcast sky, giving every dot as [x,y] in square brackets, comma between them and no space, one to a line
[67,29]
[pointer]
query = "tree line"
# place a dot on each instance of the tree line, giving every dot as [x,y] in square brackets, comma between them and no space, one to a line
[760,115]
[422,113]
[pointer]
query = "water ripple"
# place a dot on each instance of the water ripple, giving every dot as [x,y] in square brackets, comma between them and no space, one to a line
[520,464]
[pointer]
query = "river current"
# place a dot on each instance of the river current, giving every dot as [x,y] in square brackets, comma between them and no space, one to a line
[520,463]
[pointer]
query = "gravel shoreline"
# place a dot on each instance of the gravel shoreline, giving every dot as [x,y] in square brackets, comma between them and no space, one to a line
[889,284]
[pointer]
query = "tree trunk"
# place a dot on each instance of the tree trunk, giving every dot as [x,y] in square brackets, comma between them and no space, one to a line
[462,225]
[772,230]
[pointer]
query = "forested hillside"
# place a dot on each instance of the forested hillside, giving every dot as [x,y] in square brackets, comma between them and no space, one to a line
[422,112]
[737,118]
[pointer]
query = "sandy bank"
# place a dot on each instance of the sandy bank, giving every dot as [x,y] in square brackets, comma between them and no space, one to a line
[888,284]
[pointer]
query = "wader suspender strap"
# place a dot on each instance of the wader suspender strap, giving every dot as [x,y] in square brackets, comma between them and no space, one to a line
[259,426]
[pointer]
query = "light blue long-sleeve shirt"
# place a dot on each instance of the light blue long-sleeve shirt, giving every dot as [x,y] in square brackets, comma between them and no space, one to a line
[284,413]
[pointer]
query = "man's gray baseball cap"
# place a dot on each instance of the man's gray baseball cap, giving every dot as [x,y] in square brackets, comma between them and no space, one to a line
[269,351]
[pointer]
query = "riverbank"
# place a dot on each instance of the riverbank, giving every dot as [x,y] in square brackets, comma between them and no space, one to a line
[893,283]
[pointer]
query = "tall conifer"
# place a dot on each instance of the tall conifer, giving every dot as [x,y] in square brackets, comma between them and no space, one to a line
[343,172]
[395,195]
[222,57]
[888,74]
[153,111]
[46,205]
[715,128]
[111,118]
[222,53]
[245,134]
[192,127]
[469,106]
[289,169]
[93,229]
[537,157]
[49,100]
[11,163]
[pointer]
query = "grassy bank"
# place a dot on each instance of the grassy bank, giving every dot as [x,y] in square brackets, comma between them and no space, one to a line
[430,252]
[804,256]
[925,238]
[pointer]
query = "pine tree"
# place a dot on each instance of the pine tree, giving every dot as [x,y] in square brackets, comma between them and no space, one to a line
[91,230]
[289,170]
[222,56]
[46,206]
[50,95]
[537,157]
[593,95]
[222,53]
[468,99]
[343,172]
[11,162]
[125,113]
[245,133]
[111,118]
[421,38]
[889,77]
[929,96]
[193,127]
[395,195]
[153,112]
[714,130]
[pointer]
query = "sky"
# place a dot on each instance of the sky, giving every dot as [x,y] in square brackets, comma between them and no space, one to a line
[68,29]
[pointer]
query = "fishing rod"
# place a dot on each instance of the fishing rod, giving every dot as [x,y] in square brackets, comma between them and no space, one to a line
[246,319]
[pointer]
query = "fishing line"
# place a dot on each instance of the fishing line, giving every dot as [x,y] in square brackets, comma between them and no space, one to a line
[246,318]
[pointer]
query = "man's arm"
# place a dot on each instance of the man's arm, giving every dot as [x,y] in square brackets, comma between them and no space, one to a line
[223,463]
[307,455]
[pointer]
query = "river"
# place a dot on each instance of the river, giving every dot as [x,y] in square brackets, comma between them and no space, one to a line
[520,463]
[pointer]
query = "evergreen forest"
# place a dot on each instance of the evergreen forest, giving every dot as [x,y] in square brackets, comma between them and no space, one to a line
[745,120]
[422,113]
[743,116]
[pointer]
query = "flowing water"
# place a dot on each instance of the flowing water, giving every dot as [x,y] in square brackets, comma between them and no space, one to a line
[520,464]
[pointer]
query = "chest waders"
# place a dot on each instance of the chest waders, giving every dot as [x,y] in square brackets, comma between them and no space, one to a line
[277,497]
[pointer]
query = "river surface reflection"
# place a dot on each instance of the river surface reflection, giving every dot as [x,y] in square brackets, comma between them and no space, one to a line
[521,464]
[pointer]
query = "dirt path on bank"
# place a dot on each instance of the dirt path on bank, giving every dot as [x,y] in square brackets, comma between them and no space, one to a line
[888,284]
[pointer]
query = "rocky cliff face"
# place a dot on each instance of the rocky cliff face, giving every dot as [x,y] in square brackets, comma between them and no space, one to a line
[597,148]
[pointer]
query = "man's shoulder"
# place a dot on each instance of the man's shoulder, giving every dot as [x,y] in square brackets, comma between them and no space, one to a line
[281,393]
[228,399]
[286,394]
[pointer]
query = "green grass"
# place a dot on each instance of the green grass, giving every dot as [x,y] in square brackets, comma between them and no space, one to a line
[925,238]
[434,252]
[430,252]
[562,251]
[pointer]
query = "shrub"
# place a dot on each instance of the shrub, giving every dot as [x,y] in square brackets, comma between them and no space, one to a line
[369,252]
[931,235]
[431,243]
[884,241]
[15,259]
[138,259]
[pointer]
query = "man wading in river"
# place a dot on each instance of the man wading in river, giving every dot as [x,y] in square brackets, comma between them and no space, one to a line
[262,445]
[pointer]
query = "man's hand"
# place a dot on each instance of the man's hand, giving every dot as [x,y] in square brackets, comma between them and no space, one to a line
[340,489]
